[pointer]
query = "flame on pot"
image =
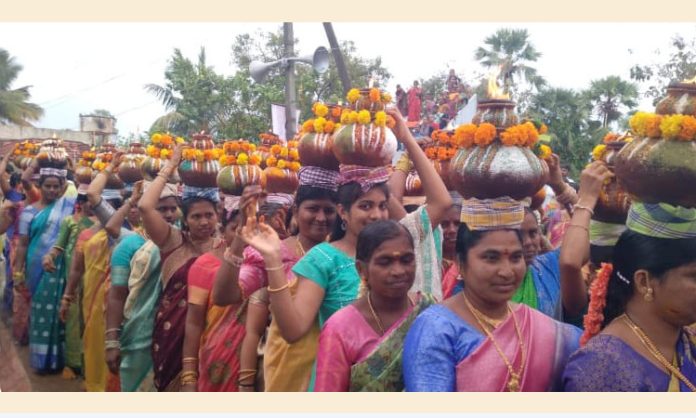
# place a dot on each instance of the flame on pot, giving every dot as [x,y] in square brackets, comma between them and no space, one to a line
[495,92]
[691,81]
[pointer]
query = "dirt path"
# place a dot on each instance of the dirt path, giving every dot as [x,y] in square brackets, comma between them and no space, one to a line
[17,376]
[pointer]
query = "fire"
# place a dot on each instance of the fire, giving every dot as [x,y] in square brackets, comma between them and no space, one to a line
[693,80]
[495,92]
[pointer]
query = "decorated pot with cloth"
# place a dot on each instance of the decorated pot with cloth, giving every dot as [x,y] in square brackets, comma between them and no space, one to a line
[83,171]
[613,202]
[157,153]
[413,184]
[315,143]
[129,170]
[364,137]
[659,165]
[52,154]
[199,165]
[282,168]
[104,157]
[239,171]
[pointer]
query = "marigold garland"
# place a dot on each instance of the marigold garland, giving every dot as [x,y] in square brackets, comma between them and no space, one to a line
[284,157]
[598,152]
[598,300]
[321,124]
[544,152]
[162,145]
[485,134]
[192,154]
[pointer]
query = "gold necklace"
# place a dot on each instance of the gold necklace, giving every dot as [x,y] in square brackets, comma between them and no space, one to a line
[652,348]
[374,313]
[493,323]
[513,384]
[299,246]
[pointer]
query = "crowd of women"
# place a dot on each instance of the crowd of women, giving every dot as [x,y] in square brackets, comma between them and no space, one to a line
[340,288]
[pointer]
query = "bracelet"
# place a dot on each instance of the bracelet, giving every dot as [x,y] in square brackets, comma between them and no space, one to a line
[278,289]
[245,385]
[233,259]
[189,374]
[18,275]
[190,360]
[277,268]
[188,381]
[578,207]
[68,298]
[164,175]
[568,196]
[579,226]
[61,249]
[110,344]
[112,330]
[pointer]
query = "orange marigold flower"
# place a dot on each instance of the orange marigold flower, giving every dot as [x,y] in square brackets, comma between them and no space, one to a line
[275,149]
[208,154]
[336,112]
[375,95]
[653,126]
[294,154]
[485,134]
[544,129]
[281,164]
[532,135]
[391,122]
[598,300]
[688,130]
[435,135]
[295,166]
[271,161]
[329,127]
[610,137]
[255,159]
[464,135]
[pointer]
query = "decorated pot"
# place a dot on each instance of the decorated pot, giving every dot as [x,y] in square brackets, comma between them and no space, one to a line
[52,154]
[680,99]
[281,180]
[83,174]
[129,169]
[443,169]
[232,179]
[413,184]
[657,170]
[201,170]
[316,150]
[367,145]
[498,112]
[151,166]
[496,171]
[113,182]
[613,203]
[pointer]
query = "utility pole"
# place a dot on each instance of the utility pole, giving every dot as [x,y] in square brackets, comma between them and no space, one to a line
[290,93]
[338,57]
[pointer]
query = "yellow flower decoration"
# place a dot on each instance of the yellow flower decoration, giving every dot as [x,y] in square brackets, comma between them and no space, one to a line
[544,152]
[308,126]
[321,110]
[242,159]
[294,154]
[364,117]
[319,124]
[381,118]
[352,117]
[345,116]
[284,152]
[180,140]
[281,164]
[156,138]
[353,95]
[598,152]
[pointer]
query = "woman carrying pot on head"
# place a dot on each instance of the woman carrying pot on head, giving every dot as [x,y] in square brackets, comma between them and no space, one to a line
[287,366]
[637,332]
[179,249]
[328,279]
[133,297]
[39,225]
[359,348]
[478,340]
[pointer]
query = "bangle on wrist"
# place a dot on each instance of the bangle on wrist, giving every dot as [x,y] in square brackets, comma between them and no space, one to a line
[578,206]
[278,289]
[232,258]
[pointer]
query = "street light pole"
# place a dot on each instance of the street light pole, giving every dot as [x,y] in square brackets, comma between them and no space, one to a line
[338,57]
[290,93]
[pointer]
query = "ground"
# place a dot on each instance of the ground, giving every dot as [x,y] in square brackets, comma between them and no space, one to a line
[15,373]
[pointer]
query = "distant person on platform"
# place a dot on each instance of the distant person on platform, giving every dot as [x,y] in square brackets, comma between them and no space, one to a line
[401,100]
[414,103]
[453,82]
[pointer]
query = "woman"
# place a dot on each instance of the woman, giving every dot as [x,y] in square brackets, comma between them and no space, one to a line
[132,299]
[58,262]
[477,340]
[450,225]
[360,346]
[179,249]
[216,365]
[39,225]
[287,367]
[643,305]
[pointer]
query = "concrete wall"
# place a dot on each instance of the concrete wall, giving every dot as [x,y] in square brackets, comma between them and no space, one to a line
[14,132]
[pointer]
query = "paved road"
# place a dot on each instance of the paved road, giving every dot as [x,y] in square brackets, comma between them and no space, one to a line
[17,376]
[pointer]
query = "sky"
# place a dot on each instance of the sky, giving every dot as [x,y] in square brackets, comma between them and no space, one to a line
[75,68]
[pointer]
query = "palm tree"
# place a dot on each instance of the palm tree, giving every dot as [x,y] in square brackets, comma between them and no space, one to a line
[14,105]
[512,52]
[611,97]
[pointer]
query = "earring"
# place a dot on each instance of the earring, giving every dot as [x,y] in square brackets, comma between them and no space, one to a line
[648,295]
[343,225]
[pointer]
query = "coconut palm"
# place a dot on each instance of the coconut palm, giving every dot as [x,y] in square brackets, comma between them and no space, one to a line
[512,52]
[14,105]
[611,97]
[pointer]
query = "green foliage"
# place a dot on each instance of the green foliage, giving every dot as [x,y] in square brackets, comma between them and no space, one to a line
[611,97]
[679,65]
[15,107]
[512,51]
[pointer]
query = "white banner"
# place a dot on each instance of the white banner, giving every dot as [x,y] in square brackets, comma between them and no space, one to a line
[278,120]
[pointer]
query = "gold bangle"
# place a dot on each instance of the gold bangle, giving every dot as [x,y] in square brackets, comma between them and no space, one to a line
[189,360]
[247,370]
[579,226]
[189,373]
[277,268]
[278,289]
[189,381]
[577,206]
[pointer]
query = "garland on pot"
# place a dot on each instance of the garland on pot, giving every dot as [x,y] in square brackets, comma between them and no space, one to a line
[444,147]
[522,135]
[600,150]
[284,157]
[238,152]
[675,127]
[326,120]
[363,107]
[192,154]
[26,149]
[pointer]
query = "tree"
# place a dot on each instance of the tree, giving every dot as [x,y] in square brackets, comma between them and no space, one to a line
[566,113]
[196,97]
[15,107]
[102,112]
[611,97]
[680,65]
[512,52]
[250,113]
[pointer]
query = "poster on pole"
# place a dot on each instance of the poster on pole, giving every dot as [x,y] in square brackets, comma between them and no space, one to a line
[278,120]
